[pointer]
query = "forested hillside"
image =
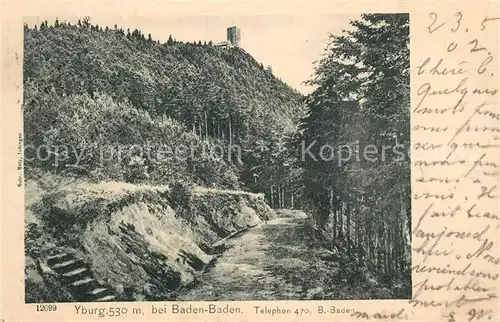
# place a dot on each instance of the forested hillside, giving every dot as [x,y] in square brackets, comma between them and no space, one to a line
[92,86]
[359,194]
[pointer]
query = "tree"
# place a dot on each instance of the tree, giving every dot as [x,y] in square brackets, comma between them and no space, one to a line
[362,99]
[170,41]
[86,21]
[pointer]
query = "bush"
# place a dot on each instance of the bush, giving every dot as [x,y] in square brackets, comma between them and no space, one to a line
[101,139]
[32,235]
[136,171]
[181,195]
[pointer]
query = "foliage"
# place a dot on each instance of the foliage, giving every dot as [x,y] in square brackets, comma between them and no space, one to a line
[104,140]
[181,195]
[362,99]
[79,76]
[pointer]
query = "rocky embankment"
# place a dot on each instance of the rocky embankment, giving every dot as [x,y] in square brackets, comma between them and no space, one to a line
[119,242]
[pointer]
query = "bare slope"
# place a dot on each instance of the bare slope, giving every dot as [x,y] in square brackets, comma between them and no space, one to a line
[124,242]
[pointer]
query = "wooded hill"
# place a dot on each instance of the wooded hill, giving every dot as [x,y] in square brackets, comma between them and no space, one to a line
[92,86]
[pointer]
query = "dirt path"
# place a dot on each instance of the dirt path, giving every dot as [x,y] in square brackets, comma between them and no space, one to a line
[258,264]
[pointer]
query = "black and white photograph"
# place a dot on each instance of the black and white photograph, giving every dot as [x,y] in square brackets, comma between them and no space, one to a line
[216,157]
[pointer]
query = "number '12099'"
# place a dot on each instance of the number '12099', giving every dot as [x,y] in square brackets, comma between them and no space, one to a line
[46,307]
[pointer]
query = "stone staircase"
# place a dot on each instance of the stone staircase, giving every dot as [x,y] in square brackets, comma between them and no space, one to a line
[78,278]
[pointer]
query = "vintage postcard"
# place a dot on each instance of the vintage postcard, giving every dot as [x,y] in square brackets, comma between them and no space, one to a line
[250,161]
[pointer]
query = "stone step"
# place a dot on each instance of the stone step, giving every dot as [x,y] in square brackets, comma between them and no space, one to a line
[105,298]
[82,282]
[67,265]
[97,291]
[59,258]
[81,287]
[78,278]
[76,274]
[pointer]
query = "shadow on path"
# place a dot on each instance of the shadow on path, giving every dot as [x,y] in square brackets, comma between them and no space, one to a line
[265,263]
[278,260]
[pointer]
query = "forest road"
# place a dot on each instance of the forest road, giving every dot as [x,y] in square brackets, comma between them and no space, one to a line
[259,264]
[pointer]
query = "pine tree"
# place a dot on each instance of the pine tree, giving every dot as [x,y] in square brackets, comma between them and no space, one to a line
[362,94]
[170,41]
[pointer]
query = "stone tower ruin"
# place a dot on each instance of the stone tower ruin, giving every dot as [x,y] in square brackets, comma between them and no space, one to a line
[234,36]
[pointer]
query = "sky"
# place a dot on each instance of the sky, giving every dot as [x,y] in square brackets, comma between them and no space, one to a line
[290,44]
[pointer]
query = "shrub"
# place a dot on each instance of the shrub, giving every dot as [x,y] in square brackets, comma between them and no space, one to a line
[101,139]
[181,194]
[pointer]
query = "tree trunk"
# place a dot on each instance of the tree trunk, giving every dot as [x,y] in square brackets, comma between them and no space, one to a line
[348,228]
[206,125]
[397,245]
[379,254]
[284,197]
[313,226]
[368,237]
[280,201]
[359,242]
[406,231]
[386,248]
[335,216]
[272,196]
[341,222]
[281,196]
[230,133]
